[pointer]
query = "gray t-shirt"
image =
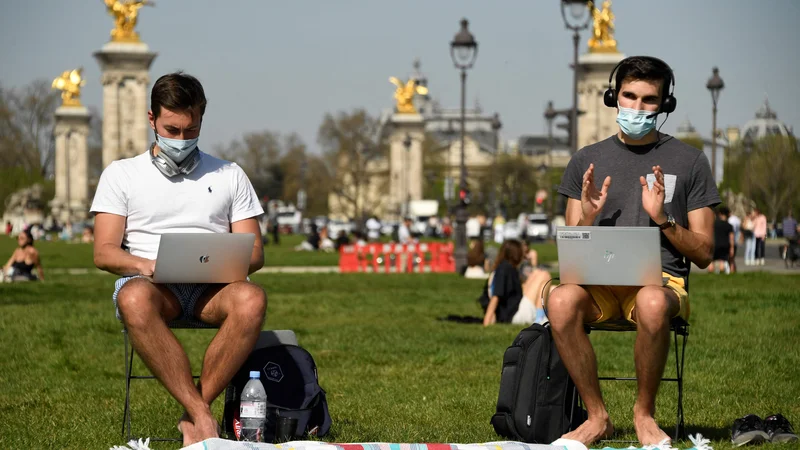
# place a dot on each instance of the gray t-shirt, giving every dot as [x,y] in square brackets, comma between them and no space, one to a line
[687,181]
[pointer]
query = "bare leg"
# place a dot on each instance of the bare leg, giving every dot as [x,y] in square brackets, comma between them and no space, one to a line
[534,285]
[569,307]
[654,308]
[146,309]
[239,309]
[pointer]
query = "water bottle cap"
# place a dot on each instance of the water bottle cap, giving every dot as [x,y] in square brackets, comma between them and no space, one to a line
[255,374]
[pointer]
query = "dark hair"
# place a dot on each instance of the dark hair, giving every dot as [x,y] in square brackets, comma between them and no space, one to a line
[510,251]
[476,255]
[644,68]
[178,92]
[723,210]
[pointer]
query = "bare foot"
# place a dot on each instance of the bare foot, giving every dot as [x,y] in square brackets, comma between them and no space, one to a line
[205,427]
[592,430]
[647,430]
[186,427]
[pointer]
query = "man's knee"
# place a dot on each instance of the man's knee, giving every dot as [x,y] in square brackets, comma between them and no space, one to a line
[138,302]
[566,303]
[654,306]
[248,300]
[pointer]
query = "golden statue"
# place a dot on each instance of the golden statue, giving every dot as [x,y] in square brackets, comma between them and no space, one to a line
[125,14]
[69,83]
[404,94]
[602,40]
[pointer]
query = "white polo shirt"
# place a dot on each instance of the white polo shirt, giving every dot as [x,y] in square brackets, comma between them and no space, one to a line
[216,194]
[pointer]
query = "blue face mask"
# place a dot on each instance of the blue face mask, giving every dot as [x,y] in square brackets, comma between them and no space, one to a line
[635,123]
[176,149]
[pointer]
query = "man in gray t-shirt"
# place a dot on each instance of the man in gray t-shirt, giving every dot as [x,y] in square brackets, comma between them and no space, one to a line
[647,179]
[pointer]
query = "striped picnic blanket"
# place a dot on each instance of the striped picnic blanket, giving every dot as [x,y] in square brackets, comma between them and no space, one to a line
[698,442]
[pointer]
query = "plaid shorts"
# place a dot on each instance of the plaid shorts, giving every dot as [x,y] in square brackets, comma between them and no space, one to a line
[186,293]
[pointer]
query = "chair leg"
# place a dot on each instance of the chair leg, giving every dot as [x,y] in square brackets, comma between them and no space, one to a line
[680,354]
[126,415]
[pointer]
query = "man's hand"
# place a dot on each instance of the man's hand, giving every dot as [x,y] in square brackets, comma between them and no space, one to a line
[592,200]
[489,319]
[147,267]
[653,199]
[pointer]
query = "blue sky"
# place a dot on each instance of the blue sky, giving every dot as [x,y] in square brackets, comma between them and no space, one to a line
[281,65]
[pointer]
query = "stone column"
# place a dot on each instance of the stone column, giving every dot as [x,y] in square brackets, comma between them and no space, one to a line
[71,202]
[125,77]
[598,121]
[405,165]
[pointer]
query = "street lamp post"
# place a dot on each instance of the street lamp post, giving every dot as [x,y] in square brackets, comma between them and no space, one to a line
[463,51]
[496,125]
[714,85]
[407,166]
[550,114]
[577,10]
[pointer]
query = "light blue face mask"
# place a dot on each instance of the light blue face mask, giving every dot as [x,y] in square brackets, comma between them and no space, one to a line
[635,123]
[176,149]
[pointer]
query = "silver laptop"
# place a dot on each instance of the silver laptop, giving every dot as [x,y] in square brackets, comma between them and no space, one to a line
[203,257]
[613,256]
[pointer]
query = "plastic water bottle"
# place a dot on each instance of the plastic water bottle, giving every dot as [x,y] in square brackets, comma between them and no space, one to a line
[253,409]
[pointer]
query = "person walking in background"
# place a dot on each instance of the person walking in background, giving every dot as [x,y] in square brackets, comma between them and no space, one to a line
[789,226]
[736,223]
[760,233]
[749,239]
[723,243]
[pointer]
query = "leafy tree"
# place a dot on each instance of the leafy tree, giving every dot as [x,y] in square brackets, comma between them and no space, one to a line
[350,142]
[771,167]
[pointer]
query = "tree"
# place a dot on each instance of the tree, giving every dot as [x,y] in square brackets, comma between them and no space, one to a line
[350,142]
[305,171]
[434,169]
[27,147]
[771,167]
[27,116]
[513,181]
[259,155]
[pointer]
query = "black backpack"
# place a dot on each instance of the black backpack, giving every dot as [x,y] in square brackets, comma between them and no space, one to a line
[289,376]
[538,402]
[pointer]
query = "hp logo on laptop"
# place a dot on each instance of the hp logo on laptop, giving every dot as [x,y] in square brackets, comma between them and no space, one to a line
[608,256]
[204,259]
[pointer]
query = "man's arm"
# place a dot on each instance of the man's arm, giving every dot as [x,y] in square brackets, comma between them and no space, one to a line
[574,213]
[696,242]
[251,226]
[108,253]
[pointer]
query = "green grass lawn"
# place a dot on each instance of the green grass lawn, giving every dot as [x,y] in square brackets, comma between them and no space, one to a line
[392,370]
[64,255]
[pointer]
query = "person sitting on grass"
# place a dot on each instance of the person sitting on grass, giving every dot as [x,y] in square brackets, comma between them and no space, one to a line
[509,301]
[477,263]
[24,259]
[173,187]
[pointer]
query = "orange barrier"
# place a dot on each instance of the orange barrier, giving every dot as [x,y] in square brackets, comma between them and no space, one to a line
[397,258]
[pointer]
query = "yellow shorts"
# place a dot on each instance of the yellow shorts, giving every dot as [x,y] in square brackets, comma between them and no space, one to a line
[617,302]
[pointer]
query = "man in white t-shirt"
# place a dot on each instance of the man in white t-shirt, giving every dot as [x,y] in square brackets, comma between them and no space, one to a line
[173,187]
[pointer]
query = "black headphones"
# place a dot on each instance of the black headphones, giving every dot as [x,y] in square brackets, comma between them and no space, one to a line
[668,103]
[168,166]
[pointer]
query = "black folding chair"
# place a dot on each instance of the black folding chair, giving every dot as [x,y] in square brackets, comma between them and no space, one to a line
[678,327]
